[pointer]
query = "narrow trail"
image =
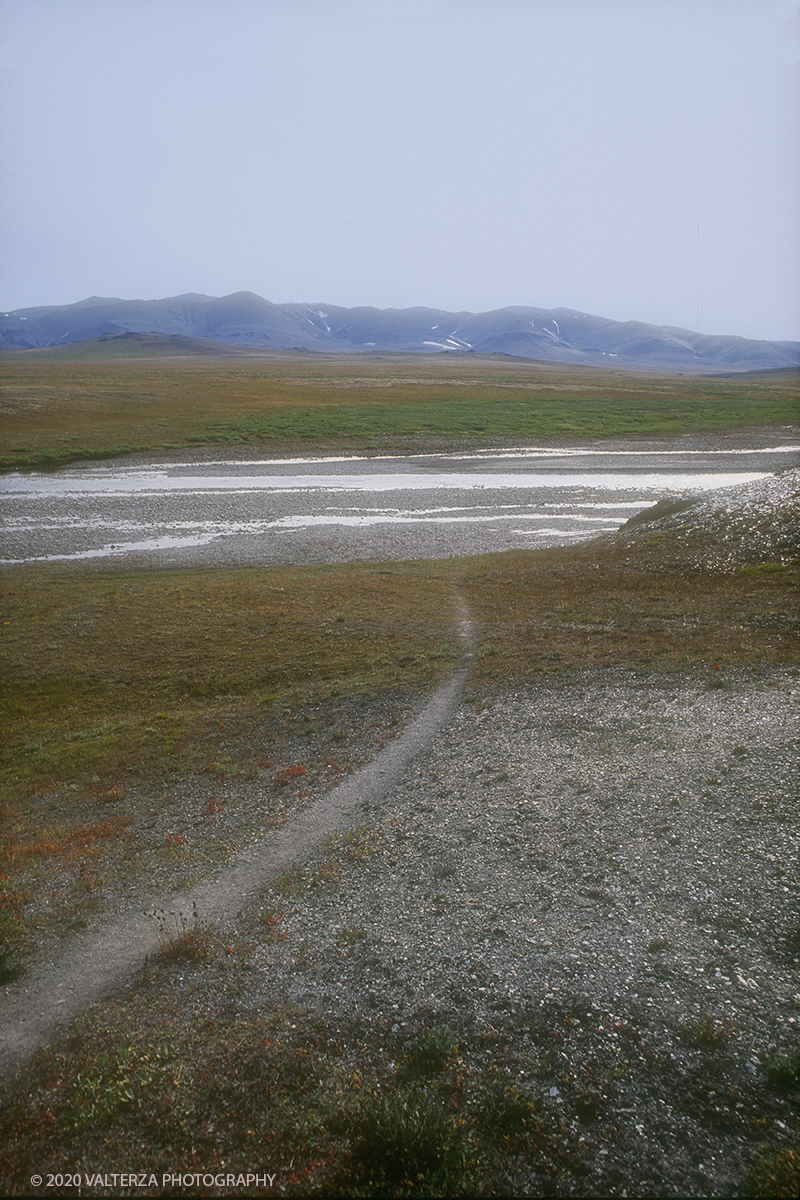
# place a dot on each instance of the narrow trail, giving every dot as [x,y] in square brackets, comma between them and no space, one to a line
[33,1010]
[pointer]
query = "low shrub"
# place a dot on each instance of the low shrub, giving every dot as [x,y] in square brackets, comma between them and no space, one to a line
[431,1050]
[181,938]
[775,1174]
[407,1144]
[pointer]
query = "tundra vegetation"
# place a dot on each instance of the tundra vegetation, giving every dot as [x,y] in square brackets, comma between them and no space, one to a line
[117,682]
[62,406]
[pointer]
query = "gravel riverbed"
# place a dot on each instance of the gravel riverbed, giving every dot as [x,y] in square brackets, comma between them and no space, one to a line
[226,508]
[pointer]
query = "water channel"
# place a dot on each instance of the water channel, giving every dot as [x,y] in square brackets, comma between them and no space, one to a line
[301,510]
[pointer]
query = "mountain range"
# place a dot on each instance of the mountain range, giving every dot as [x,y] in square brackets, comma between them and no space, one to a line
[249,321]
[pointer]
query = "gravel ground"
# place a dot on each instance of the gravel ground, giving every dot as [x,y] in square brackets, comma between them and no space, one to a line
[595,881]
[591,882]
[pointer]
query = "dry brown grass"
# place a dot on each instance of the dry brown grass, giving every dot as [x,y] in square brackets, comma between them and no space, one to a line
[104,672]
[113,680]
[120,678]
[610,604]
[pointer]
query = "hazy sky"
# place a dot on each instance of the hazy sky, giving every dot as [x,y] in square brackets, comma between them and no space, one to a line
[458,154]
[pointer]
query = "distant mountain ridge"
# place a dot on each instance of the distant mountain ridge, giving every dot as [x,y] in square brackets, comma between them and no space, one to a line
[246,320]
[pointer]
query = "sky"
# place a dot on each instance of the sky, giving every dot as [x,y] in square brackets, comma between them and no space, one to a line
[633,159]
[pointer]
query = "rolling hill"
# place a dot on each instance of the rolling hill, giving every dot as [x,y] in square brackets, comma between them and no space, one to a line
[246,320]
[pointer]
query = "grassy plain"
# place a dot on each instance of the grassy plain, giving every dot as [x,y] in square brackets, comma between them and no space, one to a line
[110,675]
[104,672]
[119,681]
[58,409]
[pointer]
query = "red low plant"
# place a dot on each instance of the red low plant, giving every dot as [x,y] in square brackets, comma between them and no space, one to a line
[271,922]
[288,774]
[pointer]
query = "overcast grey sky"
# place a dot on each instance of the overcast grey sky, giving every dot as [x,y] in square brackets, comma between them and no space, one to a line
[458,154]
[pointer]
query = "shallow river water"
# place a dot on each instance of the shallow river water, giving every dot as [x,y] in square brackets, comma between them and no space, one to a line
[300,510]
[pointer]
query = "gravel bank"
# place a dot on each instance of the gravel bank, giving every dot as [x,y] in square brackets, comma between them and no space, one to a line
[593,879]
[733,526]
